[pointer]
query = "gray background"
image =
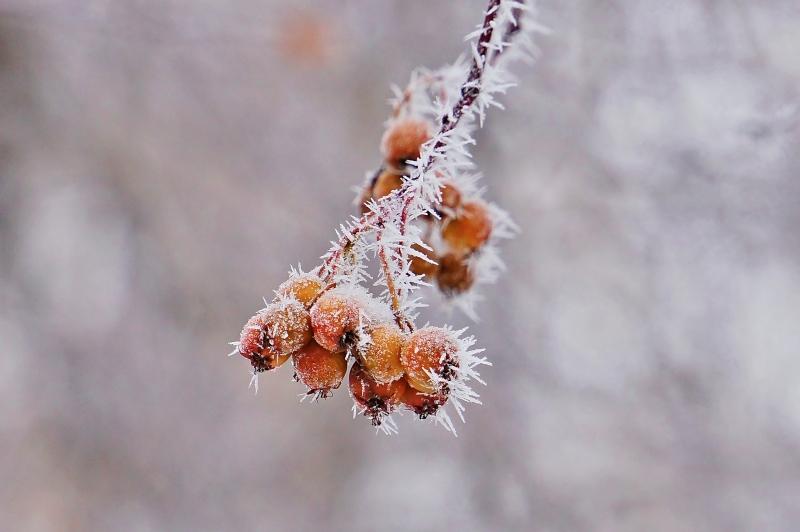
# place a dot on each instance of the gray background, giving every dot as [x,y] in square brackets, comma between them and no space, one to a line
[162,163]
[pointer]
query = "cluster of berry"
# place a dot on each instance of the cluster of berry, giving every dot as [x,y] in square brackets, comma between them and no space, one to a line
[321,328]
[422,217]
[460,224]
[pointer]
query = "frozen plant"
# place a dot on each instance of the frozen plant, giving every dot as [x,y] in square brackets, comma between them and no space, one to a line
[422,218]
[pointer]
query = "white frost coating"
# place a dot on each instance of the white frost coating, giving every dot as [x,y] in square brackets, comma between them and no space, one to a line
[387,424]
[373,309]
[461,391]
[253,382]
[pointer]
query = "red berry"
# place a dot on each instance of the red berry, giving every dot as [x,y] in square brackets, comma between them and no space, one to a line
[335,320]
[304,288]
[319,369]
[421,266]
[455,275]
[287,326]
[381,357]
[430,349]
[422,404]
[451,196]
[403,140]
[386,183]
[377,399]
[470,229]
[254,347]
[252,337]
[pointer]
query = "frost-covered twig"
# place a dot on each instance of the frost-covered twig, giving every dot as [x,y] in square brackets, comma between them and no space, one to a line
[472,92]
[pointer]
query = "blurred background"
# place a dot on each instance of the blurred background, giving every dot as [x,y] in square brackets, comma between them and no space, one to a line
[162,163]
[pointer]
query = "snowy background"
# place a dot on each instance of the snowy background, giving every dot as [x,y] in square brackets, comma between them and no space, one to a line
[162,163]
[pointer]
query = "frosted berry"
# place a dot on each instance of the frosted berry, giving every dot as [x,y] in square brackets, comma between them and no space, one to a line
[381,357]
[319,369]
[430,349]
[377,399]
[304,288]
[451,196]
[422,404]
[403,140]
[386,183]
[335,321]
[455,275]
[253,345]
[421,266]
[251,339]
[287,326]
[470,229]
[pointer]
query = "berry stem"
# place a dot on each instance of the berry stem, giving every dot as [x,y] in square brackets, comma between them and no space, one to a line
[397,310]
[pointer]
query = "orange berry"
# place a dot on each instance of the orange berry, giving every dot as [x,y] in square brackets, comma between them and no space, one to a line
[305,37]
[252,336]
[319,369]
[429,349]
[455,275]
[381,357]
[402,141]
[421,266]
[253,345]
[304,288]
[451,196]
[287,327]
[386,183]
[470,229]
[422,404]
[335,320]
[376,398]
